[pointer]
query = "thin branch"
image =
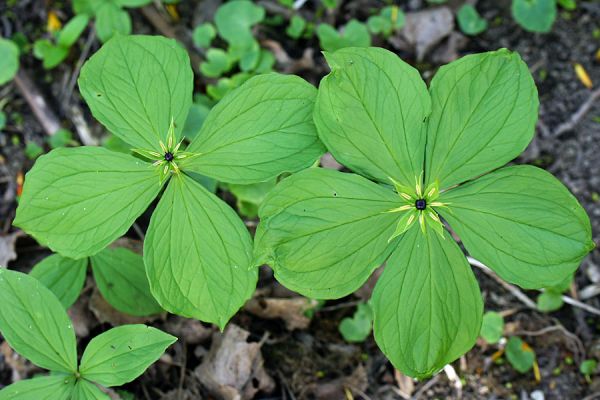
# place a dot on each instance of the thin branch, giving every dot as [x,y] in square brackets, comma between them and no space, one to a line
[577,117]
[42,111]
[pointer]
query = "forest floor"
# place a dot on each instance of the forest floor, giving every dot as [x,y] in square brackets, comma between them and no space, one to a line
[272,349]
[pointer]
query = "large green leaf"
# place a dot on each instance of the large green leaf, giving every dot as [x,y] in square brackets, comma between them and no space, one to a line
[121,278]
[134,85]
[121,354]
[521,222]
[35,324]
[53,387]
[258,131]
[197,254]
[63,276]
[484,114]
[427,304]
[85,390]
[78,200]
[370,113]
[324,231]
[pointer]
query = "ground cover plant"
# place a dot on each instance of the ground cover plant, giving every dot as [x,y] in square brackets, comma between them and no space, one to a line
[417,155]
[35,324]
[533,343]
[197,251]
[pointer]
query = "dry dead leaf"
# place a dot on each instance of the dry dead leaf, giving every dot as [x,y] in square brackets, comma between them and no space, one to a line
[405,384]
[292,311]
[423,30]
[233,368]
[7,247]
[583,76]
[189,330]
[356,383]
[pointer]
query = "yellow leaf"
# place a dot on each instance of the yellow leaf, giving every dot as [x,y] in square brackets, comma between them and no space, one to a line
[53,24]
[583,76]
[172,10]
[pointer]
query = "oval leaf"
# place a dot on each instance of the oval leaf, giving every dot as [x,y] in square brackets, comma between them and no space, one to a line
[121,278]
[323,232]
[484,114]
[53,387]
[427,305]
[35,324]
[374,126]
[9,60]
[64,277]
[121,354]
[198,254]
[258,131]
[78,200]
[134,85]
[521,222]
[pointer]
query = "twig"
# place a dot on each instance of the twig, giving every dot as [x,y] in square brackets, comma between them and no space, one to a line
[511,288]
[576,303]
[558,327]
[340,306]
[522,297]
[578,115]
[161,25]
[43,113]
[75,73]
[426,387]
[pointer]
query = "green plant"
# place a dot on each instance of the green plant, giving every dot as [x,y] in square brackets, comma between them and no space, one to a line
[53,53]
[119,273]
[470,21]
[353,34]
[588,368]
[110,15]
[419,154]
[520,355]
[296,27]
[551,298]
[534,15]
[9,60]
[197,251]
[234,22]
[357,328]
[35,325]
[389,19]
[492,327]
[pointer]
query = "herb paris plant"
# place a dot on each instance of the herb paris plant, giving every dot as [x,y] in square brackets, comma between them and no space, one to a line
[197,251]
[35,324]
[325,231]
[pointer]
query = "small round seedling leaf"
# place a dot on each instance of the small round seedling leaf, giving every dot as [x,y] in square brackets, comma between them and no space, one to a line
[235,19]
[549,300]
[204,34]
[519,354]
[358,327]
[110,20]
[296,27]
[65,277]
[354,34]
[9,60]
[217,62]
[121,354]
[535,15]
[470,21]
[588,367]
[35,324]
[492,327]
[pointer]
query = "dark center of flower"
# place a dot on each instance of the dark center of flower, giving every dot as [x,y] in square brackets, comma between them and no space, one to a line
[420,204]
[169,156]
